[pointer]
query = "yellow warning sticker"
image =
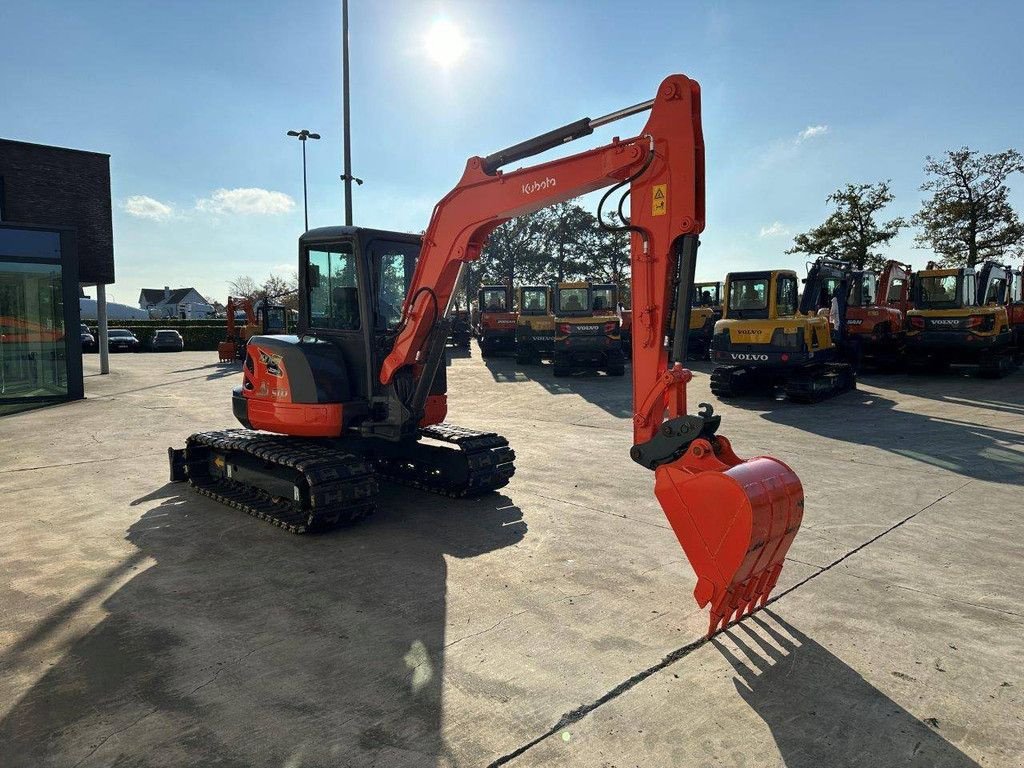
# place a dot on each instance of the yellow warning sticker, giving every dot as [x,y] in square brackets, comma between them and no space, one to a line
[659,203]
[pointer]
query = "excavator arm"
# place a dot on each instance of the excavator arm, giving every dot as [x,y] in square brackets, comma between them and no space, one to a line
[735,519]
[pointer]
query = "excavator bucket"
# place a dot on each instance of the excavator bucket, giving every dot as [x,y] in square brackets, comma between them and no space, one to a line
[735,520]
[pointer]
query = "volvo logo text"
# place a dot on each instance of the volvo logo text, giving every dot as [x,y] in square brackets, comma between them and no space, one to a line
[747,356]
[536,186]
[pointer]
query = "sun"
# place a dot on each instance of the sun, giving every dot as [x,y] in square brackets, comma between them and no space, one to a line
[444,43]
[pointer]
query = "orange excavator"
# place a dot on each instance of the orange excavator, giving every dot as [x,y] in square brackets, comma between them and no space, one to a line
[267,319]
[359,395]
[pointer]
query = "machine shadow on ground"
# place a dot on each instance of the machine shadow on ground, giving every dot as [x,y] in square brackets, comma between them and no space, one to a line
[969,449]
[821,712]
[239,644]
[613,394]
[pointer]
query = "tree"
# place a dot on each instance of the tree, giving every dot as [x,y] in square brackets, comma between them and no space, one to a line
[968,218]
[281,290]
[851,232]
[569,235]
[244,287]
[512,252]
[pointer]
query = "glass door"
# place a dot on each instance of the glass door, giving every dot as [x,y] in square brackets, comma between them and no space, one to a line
[32,349]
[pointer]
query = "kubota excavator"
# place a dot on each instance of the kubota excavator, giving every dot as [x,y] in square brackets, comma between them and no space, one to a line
[359,394]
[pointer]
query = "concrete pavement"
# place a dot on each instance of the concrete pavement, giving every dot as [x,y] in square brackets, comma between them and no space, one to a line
[550,624]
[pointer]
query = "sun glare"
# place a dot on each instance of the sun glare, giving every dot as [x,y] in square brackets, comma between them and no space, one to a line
[444,43]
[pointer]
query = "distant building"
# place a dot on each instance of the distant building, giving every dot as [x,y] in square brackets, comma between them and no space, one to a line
[180,303]
[87,308]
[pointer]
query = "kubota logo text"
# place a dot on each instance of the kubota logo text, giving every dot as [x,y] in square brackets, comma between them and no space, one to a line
[537,186]
[747,356]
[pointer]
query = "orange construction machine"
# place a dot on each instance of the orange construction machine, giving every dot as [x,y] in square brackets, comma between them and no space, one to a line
[359,395]
[496,325]
[266,319]
[875,310]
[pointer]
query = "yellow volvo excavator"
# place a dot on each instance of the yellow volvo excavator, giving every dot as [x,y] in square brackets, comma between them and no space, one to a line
[768,338]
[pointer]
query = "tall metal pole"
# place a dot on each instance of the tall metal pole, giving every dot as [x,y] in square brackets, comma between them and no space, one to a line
[305,203]
[347,140]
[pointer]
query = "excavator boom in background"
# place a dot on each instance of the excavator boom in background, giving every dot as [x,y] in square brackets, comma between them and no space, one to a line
[360,393]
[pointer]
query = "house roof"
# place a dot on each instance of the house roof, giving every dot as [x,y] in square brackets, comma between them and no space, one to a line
[156,295]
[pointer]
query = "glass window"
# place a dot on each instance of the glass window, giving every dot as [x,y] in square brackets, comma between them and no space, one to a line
[938,292]
[275,318]
[787,299]
[750,294]
[333,291]
[30,243]
[493,300]
[535,300]
[996,292]
[862,290]
[707,295]
[397,262]
[603,299]
[33,357]
[895,290]
[572,300]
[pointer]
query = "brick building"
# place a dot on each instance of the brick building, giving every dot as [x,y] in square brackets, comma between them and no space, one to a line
[56,234]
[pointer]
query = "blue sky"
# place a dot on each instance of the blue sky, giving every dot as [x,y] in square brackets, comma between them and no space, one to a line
[192,100]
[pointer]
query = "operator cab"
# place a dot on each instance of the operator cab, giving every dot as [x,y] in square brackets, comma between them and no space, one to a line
[754,295]
[945,289]
[352,287]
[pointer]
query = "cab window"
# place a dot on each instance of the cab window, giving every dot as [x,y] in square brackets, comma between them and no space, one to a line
[493,300]
[535,301]
[996,292]
[748,295]
[787,299]
[333,292]
[395,263]
[572,300]
[938,292]
[603,300]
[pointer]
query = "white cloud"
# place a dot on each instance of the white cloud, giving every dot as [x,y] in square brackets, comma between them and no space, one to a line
[144,207]
[246,201]
[775,229]
[811,132]
[283,269]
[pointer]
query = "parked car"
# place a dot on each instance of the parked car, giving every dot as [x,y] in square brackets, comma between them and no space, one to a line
[166,341]
[88,340]
[122,340]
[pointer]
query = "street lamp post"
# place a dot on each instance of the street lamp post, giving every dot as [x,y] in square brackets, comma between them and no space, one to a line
[302,136]
[347,176]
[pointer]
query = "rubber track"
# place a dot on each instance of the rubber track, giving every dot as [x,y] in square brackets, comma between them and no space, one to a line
[488,463]
[840,377]
[341,485]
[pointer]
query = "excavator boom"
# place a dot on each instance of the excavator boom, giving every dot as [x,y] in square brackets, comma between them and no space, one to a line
[735,519]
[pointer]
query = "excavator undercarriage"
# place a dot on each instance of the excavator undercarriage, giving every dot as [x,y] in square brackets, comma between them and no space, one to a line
[308,485]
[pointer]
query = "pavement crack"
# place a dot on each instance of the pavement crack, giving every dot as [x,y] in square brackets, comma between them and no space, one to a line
[601,511]
[112,734]
[575,715]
